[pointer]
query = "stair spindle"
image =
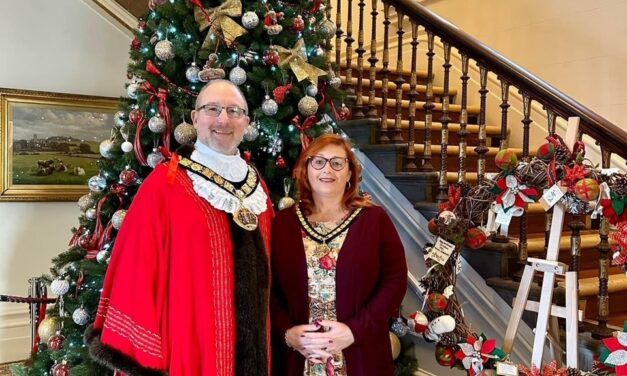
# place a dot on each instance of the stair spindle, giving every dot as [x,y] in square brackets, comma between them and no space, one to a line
[338,33]
[550,117]
[385,72]
[504,107]
[463,121]
[445,119]
[348,81]
[428,106]
[372,109]
[522,243]
[358,112]
[399,81]
[482,148]
[410,157]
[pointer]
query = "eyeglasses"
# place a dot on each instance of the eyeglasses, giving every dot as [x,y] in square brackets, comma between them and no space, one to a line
[336,163]
[214,110]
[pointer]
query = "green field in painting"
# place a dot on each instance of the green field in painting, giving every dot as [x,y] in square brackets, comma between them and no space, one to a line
[25,168]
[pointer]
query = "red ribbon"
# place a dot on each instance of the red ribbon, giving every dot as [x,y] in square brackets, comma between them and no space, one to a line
[101,234]
[152,69]
[308,123]
[316,6]
[326,98]
[202,9]
[162,95]
[77,234]
[137,143]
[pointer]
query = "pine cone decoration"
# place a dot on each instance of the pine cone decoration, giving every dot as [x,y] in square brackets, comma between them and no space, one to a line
[562,155]
[448,339]
[573,372]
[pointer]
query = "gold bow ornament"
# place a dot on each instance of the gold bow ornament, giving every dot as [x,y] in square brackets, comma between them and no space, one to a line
[296,58]
[219,21]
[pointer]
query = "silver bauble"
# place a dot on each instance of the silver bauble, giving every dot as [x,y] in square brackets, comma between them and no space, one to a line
[307,106]
[399,328]
[60,286]
[286,202]
[185,133]
[327,28]
[117,218]
[103,257]
[127,146]
[80,316]
[312,90]
[157,124]
[91,214]
[86,202]
[131,90]
[335,82]
[237,75]
[97,183]
[192,73]
[119,119]
[164,50]
[250,20]
[269,106]
[154,158]
[251,132]
[105,148]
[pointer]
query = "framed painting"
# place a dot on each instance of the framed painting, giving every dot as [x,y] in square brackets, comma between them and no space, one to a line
[49,143]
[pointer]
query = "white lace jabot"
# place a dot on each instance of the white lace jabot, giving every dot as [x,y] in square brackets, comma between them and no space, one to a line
[230,167]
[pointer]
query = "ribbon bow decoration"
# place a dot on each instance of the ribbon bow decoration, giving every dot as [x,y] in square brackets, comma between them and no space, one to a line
[476,352]
[296,58]
[219,20]
[512,201]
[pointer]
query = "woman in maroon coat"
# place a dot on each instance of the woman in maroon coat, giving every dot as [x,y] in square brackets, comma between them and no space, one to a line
[338,270]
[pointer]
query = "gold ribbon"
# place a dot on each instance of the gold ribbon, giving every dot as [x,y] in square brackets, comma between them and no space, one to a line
[220,22]
[296,58]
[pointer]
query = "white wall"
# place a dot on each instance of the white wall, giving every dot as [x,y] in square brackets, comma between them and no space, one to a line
[60,46]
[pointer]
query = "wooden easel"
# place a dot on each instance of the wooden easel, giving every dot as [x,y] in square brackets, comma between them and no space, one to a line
[550,267]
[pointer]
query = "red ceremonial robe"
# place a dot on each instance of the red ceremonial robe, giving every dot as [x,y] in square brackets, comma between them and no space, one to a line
[167,302]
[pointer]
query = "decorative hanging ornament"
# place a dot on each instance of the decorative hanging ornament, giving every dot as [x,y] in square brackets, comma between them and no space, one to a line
[334,81]
[135,116]
[48,327]
[280,162]
[154,158]
[80,316]
[418,322]
[445,355]
[307,106]
[84,241]
[128,176]
[344,113]
[117,218]
[252,132]
[587,189]
[185,133]
[119,119]
[312,90]
[103,257]
[269,106]
[191,73]
[164,50]
[286,201]
[208,73]
[399,327]
[59,286]
[506,160]
[327,28]
[55,343]
[219,21]
[60,369]
[127,146]
[86,202]
[271,22]
[247,155]
[90,214]
[396,345]
[135,44]
[105,149]
[131,90]
[271,56]
[237,75]
[280,92]
[298,24]
[97,183]
[250,20]
[157,124]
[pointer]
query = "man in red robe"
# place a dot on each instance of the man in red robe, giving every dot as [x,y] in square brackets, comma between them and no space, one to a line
[186,291]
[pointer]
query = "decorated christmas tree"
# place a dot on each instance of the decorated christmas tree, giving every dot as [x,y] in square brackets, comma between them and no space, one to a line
[275,51]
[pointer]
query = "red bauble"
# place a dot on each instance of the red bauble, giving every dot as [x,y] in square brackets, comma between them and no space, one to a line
[437,302]
[475,238]
[247,155]
[118,189]
[135,44]
[271,57]
[135,116]
[129,176]
[55,342]
[445,355]
[280,162]
[60,369]
[84,241]
[433,226]
[141,25]
[344,113]
[298,24]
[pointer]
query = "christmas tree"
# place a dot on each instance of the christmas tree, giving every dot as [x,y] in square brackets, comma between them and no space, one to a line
[275,51]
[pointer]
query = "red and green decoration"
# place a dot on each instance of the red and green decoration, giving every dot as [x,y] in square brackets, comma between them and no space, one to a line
[615,352]
[477,353]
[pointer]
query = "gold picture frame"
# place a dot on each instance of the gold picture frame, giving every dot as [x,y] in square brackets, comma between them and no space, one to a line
[49,143]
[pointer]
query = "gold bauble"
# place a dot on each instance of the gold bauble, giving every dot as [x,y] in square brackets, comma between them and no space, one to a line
[185,133]
[396,346]
[286,202]
[47,328]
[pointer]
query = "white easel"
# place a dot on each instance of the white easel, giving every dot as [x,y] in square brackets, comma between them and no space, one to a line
[550,267]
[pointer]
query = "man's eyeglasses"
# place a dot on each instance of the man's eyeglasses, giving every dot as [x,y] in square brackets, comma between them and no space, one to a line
[214,110]
[336,163]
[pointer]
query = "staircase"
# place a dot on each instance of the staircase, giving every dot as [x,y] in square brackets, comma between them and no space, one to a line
[426,123]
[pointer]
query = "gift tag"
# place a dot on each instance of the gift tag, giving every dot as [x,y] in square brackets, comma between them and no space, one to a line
[552,196]
[441,251]
[503,218]
[506,369]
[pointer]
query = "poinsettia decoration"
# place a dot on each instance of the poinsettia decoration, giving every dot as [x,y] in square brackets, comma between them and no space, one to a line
[475,353]
[614,208]
[573,175]
[513,196]
[615,354]
[454,195]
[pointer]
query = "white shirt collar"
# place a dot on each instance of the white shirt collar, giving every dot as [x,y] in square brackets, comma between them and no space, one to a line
[230,167]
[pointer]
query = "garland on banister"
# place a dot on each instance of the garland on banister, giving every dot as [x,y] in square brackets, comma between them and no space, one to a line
[555,176]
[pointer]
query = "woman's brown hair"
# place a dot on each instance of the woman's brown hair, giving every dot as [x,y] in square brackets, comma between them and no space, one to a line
[351,199]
